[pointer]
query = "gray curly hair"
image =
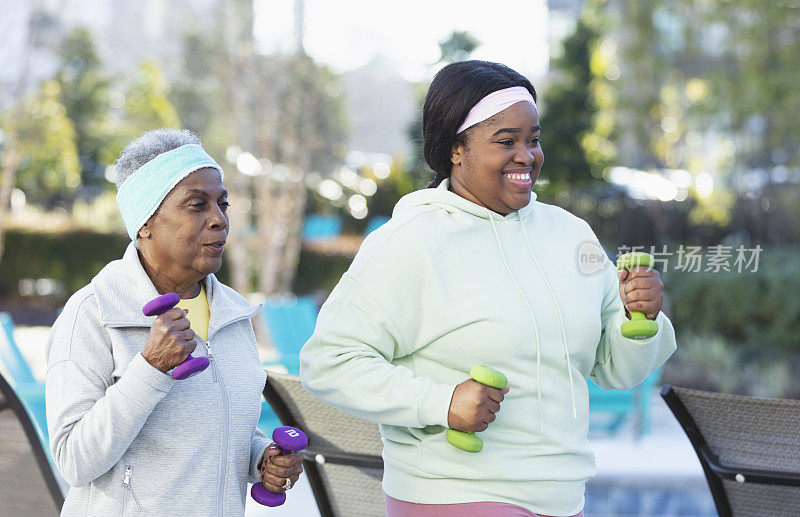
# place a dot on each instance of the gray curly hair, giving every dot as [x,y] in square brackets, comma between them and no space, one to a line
[148,146]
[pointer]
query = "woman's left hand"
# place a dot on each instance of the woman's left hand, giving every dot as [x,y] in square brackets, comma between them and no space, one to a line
[276,470]
[641,290]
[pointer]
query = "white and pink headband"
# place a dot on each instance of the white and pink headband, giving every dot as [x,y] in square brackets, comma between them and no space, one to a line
[494,103]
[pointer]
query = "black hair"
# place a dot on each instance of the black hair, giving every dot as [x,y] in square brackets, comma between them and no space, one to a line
[455,90]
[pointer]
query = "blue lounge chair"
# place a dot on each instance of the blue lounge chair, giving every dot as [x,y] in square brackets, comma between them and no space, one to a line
[375,222]
[21,379]
[290,322]
[320,227]
[26,474]
[619,404]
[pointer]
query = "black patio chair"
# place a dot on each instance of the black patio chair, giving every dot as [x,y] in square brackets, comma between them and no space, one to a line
[343,459]
[749,448]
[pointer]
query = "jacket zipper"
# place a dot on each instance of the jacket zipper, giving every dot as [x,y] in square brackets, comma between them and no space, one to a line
[210,359]
[225,420]
[126,483]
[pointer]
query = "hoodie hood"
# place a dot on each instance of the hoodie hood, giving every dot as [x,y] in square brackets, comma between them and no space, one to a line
[443,198]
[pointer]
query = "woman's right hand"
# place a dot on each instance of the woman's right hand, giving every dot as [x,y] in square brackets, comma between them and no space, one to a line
[473,406]
[171,340]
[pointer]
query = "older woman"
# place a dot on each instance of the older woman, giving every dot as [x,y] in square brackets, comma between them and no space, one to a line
[475,271]
[128,437]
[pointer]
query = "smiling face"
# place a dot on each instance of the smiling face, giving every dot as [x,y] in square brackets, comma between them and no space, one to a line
[500,161]
[183,241]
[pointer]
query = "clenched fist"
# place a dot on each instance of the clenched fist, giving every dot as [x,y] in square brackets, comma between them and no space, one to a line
[641,290]
[171,340]
[276,469]
[473,406]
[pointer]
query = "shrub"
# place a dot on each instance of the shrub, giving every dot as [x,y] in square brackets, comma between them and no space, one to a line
[755,311]
[70,258]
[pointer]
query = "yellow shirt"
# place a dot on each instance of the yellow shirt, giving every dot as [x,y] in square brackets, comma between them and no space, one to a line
[198,312]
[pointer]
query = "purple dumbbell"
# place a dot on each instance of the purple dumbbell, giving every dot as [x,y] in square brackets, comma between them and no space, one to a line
[191,365]
[290,439]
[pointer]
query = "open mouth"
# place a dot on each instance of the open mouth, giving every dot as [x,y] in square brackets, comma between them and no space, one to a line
[519,178]
[217,246]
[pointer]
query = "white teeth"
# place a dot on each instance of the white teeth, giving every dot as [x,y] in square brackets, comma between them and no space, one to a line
[525,176]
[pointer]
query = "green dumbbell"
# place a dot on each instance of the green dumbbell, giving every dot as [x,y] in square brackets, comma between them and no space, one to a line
[468,441]
[639,327]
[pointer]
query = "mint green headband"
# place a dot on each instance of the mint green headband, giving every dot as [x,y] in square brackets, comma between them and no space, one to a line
[142,193]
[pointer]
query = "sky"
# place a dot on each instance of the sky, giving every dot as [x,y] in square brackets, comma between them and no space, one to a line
[346,34]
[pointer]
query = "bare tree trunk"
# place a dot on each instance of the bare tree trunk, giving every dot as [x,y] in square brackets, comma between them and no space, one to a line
[239,77]
[237,251]
[237,25]
[269,234]
[291,255]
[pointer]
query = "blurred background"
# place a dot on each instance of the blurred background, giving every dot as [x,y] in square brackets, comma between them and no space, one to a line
[667,125]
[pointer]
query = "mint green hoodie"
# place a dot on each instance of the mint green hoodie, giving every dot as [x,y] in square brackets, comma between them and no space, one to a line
[447,284]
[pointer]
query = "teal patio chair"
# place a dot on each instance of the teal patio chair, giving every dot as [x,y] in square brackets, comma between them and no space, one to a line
[374,223]
[290,322]
[320,227]
[26,472]
[620,404]
[20,377]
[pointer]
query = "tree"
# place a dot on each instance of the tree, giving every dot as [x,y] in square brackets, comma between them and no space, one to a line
[147,104]
[85,95]
[567,117]
[302,127]
[259,111]
[709,87]
[49,168]
[11,156]
[459,46]
[197,92]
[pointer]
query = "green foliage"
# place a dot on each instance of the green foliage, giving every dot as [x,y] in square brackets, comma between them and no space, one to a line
[701,86]
[416,163]
[73,258]
[50,167]
[85,95]
[147,104]
[197,92]
[738,332]
[402,180]
[319,272]
[757,312]
[756,82]
[70,258]
[306,124]
[709,362]
[567,116]
[458,47]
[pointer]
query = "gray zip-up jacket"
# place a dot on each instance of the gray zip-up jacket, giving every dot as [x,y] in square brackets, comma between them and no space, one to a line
[128,438]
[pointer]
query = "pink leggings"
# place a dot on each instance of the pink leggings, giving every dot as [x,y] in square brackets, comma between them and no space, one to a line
[395,508]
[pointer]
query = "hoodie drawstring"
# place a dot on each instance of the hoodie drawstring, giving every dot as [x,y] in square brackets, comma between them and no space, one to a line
[533,321]
[558,311]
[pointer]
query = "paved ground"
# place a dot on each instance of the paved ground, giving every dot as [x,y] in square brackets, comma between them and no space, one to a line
[656,475]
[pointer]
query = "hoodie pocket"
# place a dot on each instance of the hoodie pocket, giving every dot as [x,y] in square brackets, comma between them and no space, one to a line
[127,491]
